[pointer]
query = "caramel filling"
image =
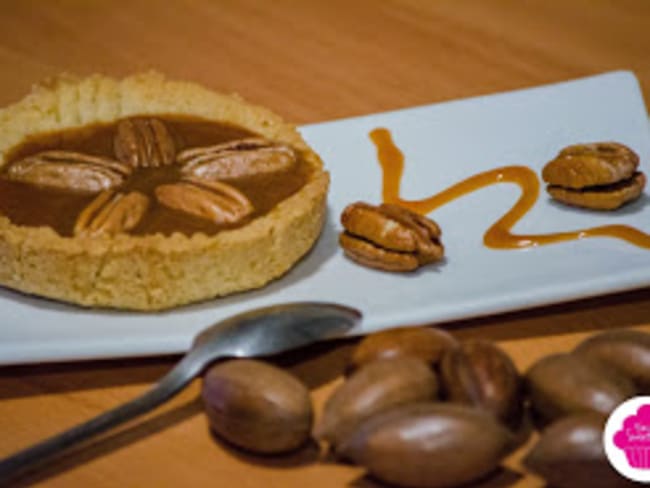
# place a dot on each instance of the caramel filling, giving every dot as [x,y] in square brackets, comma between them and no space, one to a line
[612,187]
[499,235]
[32,205]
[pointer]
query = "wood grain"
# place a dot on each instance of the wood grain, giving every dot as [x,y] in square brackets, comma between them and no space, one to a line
[310,61]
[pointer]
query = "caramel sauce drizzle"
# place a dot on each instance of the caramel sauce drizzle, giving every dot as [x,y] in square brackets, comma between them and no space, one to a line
[499,235]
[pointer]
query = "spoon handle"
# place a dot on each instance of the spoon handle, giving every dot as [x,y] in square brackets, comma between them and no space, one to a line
[173,382]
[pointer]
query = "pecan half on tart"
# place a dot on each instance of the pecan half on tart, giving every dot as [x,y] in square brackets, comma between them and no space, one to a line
[146,193]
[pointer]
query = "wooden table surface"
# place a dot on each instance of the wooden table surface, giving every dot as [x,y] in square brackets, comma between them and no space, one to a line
[310,61]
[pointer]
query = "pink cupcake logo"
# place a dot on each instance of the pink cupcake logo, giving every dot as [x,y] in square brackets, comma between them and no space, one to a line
[634,438]
[627,439]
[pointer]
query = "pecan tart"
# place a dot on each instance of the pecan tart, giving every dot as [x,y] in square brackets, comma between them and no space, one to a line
[146,193]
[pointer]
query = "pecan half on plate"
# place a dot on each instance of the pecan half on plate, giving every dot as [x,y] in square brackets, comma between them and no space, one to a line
[389,237]
[599,176]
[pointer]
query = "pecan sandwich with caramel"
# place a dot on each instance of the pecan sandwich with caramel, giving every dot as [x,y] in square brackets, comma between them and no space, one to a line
[598,176]
[389,237]
[145,193]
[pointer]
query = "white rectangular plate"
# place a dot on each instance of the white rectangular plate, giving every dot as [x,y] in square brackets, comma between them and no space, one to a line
[442,144]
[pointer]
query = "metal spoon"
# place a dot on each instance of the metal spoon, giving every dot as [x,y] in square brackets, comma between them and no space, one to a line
[260,332]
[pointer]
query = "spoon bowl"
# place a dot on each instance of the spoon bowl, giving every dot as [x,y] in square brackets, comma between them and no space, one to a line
[278,328]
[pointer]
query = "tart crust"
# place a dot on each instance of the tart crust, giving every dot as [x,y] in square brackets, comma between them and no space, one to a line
[153,272]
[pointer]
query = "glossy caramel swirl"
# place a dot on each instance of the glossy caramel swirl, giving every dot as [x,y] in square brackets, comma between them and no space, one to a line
[499,235]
